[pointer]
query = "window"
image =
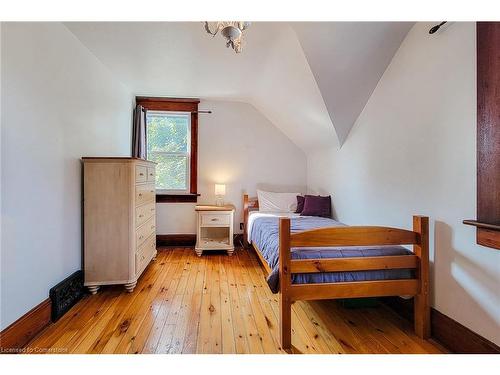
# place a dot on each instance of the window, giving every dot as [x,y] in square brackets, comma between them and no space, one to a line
[168,144]
[172,142]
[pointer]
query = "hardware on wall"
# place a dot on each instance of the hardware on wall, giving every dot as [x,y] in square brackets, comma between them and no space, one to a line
[436,27]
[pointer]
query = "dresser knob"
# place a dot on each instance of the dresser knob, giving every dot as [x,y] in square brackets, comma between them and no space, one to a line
[140,194]
[141,215]
[215,219]
[141,174]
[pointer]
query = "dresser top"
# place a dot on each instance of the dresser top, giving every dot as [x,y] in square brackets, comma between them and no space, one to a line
[207,207]
[114,158]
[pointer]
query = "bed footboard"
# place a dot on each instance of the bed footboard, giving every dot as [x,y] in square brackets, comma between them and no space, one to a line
[355,236]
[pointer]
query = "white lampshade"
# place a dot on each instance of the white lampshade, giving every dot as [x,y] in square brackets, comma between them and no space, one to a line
[220,189]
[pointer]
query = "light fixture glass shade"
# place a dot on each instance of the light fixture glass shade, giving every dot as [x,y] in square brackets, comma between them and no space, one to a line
[231,32]
[220,189]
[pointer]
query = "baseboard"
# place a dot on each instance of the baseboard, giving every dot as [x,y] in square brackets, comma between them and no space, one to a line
[23,330]
[459,338]
[176,240]
[186,240]
[450,333]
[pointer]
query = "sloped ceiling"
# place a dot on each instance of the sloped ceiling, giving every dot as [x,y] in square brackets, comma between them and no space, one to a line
[310,79]
[348,59]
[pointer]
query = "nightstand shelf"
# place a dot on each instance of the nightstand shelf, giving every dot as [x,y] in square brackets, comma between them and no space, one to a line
[214,242]
[215,228]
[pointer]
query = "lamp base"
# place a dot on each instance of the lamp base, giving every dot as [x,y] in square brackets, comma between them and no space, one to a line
[219,202]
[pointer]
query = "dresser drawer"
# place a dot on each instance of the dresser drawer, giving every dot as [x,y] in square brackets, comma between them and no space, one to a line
[140,173]
[215,219]
[140,262]
[149,246]
[144,231]
[144,193]
[145,253]
[144,213]
[151,174]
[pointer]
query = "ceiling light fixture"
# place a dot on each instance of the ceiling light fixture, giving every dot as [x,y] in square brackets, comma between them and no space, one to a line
[231,30]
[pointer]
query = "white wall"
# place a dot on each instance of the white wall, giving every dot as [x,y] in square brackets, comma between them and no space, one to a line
[241,148]
[58,103]
[413,151]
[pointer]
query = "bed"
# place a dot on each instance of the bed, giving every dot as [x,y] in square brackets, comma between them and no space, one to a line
[312,258]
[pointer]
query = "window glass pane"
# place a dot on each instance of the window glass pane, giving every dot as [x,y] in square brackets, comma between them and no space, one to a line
[170,171]
[167,132]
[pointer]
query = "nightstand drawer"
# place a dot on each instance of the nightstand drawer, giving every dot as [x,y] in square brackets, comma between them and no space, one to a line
[215,219]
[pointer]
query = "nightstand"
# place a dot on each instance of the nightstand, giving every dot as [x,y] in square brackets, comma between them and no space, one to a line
[215,228]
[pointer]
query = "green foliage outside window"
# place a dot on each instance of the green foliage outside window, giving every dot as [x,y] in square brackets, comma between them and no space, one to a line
[168,141]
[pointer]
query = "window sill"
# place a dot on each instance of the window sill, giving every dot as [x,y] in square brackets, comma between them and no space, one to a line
[177,198]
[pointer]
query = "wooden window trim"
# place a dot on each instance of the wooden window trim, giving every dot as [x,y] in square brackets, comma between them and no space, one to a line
[488,135]
[179,105]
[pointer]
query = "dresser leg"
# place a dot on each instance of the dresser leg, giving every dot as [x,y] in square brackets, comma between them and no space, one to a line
[93,289]
[198,252]
[230,252]
[130,286]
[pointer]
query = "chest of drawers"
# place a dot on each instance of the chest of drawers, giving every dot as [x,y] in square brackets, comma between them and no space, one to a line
[119,220]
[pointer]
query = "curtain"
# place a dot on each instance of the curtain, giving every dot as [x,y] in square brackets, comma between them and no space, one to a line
[139,133]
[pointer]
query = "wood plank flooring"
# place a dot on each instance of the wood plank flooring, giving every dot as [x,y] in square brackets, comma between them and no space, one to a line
[218,304]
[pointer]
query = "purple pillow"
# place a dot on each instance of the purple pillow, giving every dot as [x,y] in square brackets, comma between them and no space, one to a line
[316,205]
[300,204]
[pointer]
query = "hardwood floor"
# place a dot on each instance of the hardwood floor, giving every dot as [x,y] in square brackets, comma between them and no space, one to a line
[218,304]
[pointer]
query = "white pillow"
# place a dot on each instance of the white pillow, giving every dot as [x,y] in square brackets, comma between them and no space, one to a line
[277,202]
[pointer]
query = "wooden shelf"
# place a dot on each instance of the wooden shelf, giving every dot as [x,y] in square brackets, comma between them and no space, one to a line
[486,234]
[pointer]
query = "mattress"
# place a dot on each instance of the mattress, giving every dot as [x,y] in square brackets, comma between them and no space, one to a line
[263,231]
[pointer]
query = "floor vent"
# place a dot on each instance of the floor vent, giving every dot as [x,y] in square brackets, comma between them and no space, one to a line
[65,294]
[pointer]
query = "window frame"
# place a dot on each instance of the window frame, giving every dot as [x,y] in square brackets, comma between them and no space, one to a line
[163,104]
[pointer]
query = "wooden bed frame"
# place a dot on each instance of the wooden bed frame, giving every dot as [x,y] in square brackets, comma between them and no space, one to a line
[350,236]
